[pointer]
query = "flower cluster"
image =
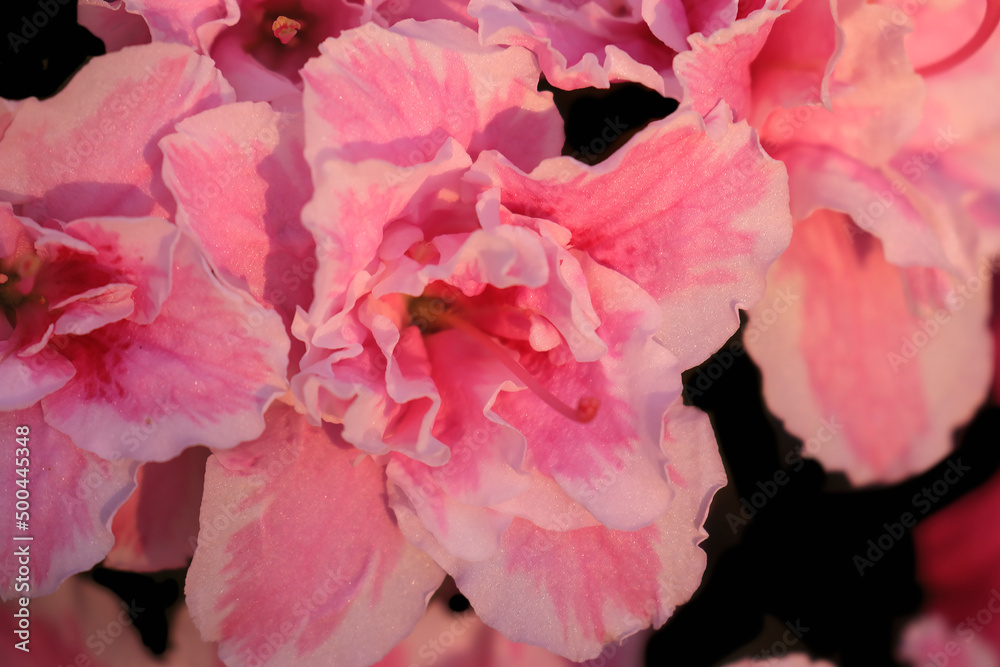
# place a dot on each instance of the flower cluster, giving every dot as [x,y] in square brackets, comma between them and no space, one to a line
[304,293]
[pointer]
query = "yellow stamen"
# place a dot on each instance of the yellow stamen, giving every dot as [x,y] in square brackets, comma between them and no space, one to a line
[285,28]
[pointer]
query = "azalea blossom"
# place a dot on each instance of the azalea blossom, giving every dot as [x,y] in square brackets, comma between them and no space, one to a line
[893,346]
[486,336]
[121,344]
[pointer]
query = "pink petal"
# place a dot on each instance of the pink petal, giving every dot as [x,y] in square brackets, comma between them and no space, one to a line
[573,592]
[707,261]
[202,372]
[462,640]
[717,67]
[246,211]
[879,202]
[156,528]
[584,47]
[484,97]
[876,96]
[193,23]
[71,497]
[112,23]
[299,561]
[79,624]
[367,197]
[873,366]
[390,12]
[139,252]
[187,648]
[91,149]
[612,465]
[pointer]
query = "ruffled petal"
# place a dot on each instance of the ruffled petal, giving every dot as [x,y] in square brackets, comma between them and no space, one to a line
[717,67]
[579,48]
[71,497]
[354,586]
[91,149]
[193,23]
[717,227]
[240,183]
[399,94]
[574,591]
[156,529]
[203,372]
[872,365]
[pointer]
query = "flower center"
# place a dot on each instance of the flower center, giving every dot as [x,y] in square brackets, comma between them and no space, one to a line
[986,28]
[285,29]
[435,312]
[17,280]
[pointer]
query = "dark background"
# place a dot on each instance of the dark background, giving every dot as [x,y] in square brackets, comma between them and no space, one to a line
[791,564]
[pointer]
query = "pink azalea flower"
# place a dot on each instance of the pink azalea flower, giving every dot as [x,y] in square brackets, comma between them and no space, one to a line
[481,351]
[118,338]
[891,348]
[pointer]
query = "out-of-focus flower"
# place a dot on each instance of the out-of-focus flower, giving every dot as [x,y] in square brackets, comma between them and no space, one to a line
[929,640]
[790,660]
[83,623]
[894,347]
[957,550]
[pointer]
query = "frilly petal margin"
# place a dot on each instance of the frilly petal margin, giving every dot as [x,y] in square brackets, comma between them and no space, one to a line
[871,364]
[72,496]
[91,149]
[398,94]
[718,226]
[202,372]
[575,591]
[299,561]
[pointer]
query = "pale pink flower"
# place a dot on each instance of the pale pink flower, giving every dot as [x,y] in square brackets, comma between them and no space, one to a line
[481,355]
[875,318]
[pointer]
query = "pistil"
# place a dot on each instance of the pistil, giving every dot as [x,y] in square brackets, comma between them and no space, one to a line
[587,406]
[285,29]
[986,28]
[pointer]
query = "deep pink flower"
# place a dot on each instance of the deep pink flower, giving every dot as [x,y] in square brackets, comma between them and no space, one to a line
[481,348]
[931,640]
[957,552]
